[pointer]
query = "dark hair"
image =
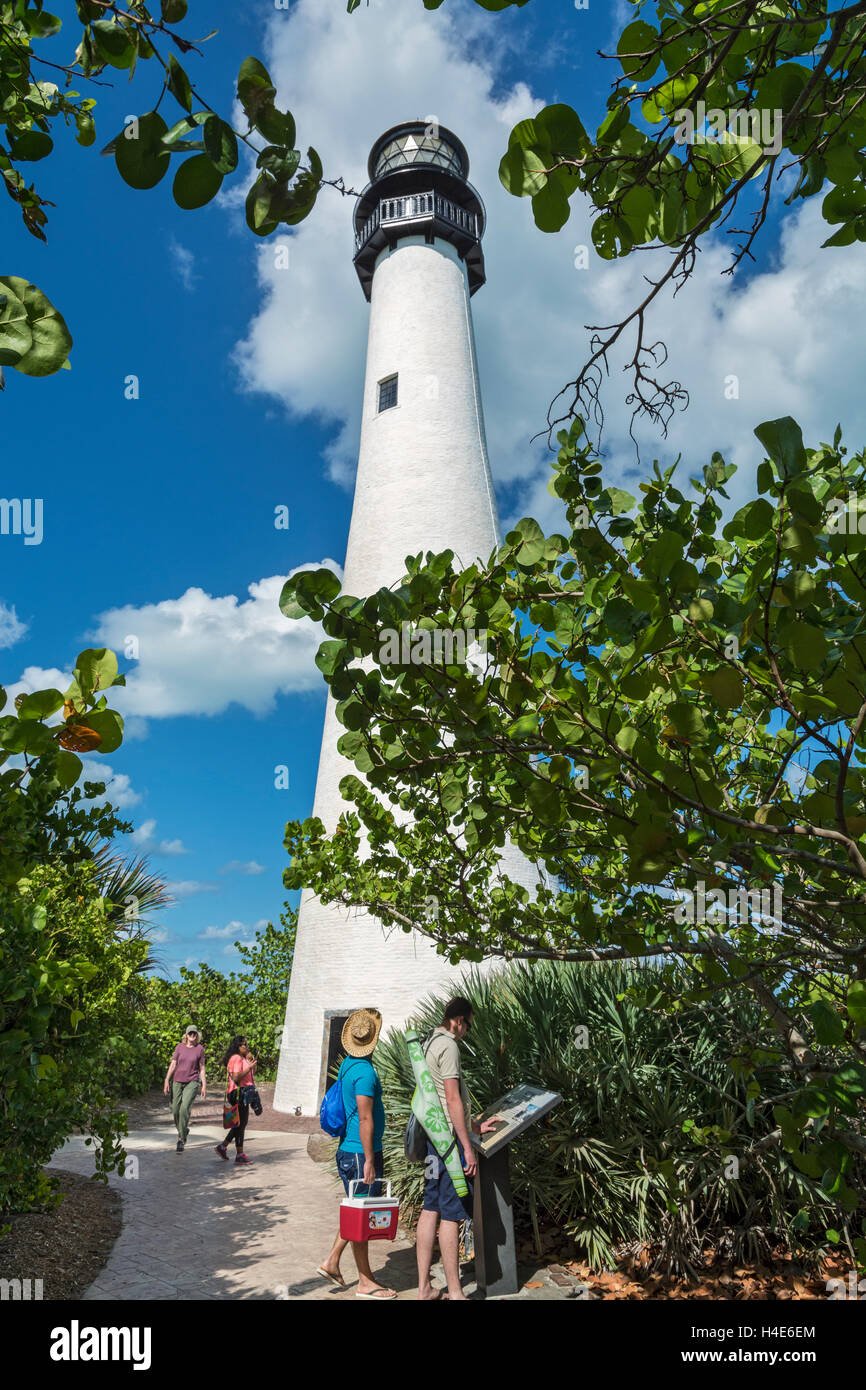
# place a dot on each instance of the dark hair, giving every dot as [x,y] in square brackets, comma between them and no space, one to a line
[457,1008]
[236,1043]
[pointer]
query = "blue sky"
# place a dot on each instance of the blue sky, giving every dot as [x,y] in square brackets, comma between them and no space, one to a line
[159,511]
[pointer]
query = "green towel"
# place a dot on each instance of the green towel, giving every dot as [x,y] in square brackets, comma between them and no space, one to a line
[427,1108]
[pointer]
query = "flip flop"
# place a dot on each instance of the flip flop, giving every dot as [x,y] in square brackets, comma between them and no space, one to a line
[332,1278]
[378,1297]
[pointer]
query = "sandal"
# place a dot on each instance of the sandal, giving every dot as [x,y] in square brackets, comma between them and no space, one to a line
[332,1278]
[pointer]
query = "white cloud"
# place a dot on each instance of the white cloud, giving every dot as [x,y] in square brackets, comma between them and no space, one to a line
[146,842]
[11,627]
[198,654]
[183,261]
[240,866]
[790,334]
[189,888]
[218,933]
[233,932]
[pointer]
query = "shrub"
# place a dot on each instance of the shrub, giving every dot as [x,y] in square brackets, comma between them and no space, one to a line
[657,1143]
[66,1032]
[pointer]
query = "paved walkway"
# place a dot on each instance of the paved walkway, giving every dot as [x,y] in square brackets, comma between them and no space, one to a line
[197,1227]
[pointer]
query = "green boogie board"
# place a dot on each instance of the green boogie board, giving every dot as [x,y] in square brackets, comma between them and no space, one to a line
[427,1108]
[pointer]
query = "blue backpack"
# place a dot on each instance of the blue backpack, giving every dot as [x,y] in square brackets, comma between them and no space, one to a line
[332,1114]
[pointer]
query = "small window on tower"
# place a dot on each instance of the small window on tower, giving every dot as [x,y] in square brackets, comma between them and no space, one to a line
[387,394]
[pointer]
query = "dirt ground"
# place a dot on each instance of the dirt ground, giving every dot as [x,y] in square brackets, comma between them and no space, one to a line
[67,1246]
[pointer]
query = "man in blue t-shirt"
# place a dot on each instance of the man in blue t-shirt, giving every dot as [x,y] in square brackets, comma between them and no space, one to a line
[359,1157]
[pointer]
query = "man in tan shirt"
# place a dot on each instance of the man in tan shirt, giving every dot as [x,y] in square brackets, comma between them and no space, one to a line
[441,1202]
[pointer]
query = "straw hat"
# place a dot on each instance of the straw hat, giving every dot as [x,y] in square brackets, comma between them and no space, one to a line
[361,1032]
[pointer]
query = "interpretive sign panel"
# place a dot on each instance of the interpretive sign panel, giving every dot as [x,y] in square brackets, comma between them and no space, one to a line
[516,1111]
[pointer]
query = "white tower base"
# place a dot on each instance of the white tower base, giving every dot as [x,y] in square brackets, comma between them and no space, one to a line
[423,483]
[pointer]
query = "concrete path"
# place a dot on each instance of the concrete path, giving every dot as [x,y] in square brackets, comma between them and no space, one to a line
[196,1227]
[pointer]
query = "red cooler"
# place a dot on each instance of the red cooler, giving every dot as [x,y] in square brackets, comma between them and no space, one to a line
[369,1218]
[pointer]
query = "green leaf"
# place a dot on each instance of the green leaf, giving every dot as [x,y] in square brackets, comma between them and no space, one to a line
[15,333]
[109,725]
[521,172]
[687,720]
[85,127]
[139,154]
[329,656]
[635,39]
[544,799]
[806,646]
[50,339]
[260,218]
[856,1002]
[179,83]
[844,203]
[783,441]
[563,130]
[116,44]
[725,686]
[829,1027]
[753,521]
[30,145]
[277,127]
[196,182]
[281,165]
[550,207]
[221,144]
[661,556]
[67,768]
[40,705]
[27,736]
[95,669]
[41,24]
[173,11]
[256,91]
[844,237]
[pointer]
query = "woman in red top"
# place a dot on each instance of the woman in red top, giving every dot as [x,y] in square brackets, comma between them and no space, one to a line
[241,1069]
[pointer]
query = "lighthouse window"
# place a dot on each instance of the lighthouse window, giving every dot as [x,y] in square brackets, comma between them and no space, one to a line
[387,393]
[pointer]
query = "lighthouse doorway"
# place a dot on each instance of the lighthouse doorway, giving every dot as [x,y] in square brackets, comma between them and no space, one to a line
[332,1049]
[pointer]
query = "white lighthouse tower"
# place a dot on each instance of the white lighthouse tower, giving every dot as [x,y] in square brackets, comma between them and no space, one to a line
[423,483]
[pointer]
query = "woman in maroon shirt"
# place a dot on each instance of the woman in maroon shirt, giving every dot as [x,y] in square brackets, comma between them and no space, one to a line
[186,1077]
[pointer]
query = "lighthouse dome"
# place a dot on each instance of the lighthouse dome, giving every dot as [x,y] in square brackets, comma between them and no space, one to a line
[418,143]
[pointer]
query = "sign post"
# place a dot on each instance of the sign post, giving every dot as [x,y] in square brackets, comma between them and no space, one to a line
[493,1214]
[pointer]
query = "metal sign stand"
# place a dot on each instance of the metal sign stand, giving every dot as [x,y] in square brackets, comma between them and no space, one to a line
[493,1219]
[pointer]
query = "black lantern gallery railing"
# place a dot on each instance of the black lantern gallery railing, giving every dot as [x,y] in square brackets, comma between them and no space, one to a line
[417,207]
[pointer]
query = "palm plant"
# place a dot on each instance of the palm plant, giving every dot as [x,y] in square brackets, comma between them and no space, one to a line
[657,1143]
[133,894]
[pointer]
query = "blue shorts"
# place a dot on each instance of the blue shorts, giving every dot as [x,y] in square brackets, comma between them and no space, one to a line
[439,1192]
[351,1168]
